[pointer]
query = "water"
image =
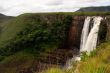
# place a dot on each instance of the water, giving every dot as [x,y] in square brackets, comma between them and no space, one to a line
[71,62]
[88,39]
[85,32]
[89,42]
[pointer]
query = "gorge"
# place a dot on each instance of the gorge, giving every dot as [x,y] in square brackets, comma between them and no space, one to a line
[53,39]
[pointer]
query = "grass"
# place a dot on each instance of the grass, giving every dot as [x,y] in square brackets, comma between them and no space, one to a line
[97,62]
[54,70]
[16,62]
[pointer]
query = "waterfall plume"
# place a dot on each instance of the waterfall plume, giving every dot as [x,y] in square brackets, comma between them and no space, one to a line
[89,39]
[85,32]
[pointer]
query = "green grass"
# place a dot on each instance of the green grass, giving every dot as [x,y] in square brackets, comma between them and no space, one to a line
[54,70]
[97,62]
[16,62]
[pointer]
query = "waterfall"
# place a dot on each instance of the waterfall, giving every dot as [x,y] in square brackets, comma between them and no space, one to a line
[89,39]
[85,32]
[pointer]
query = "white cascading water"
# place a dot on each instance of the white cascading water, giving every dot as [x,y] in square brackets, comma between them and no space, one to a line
[85,32]
[88,39]
[91,40]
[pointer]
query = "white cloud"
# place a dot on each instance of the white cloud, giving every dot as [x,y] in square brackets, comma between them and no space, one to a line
[55,2]
[16,7]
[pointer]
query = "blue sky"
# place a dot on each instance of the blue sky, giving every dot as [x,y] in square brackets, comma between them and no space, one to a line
[17,7]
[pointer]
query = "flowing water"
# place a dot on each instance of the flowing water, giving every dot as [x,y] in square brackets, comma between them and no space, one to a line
[89,40]
[85,32]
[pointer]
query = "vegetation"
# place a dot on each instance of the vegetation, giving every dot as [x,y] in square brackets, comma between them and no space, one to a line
[24,38]
[54,70]
[33,31]
[72,13]
[97,62]
[15,63]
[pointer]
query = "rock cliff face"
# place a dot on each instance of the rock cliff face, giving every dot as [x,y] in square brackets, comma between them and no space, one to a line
[75,31]
[76,26]
[107,22]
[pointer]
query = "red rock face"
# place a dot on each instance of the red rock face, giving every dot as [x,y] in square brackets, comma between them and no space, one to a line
[74,35]
[108,26]
[75,31]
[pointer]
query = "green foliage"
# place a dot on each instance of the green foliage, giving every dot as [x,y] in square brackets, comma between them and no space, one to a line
[84,56]
[34,33]
[97,62]
[1,58]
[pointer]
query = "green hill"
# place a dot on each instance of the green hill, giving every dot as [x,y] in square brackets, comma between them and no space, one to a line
[33,31]
[95,9]
[27,37]
[4,18]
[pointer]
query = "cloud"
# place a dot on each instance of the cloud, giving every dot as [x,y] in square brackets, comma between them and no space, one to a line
[55,2]
[15,7]
[2,9]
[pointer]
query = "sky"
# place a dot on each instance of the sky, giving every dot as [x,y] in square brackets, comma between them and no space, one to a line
[17,7]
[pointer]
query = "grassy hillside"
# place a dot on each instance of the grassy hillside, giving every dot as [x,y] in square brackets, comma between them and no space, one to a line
[97,62]
[4,18]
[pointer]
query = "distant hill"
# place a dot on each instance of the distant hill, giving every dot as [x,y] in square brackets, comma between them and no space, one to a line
[4,18]
[95,9]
